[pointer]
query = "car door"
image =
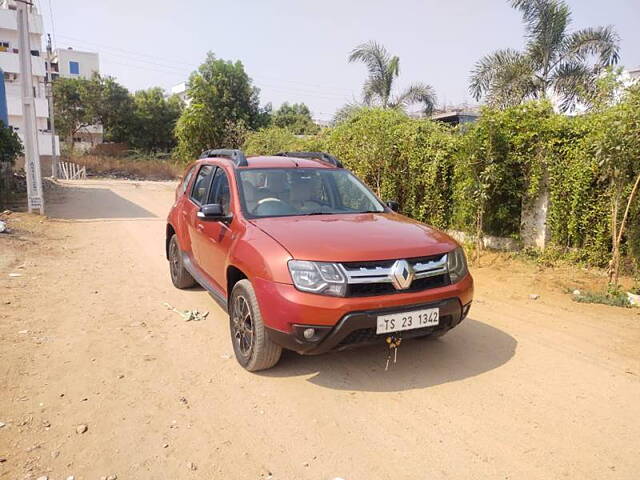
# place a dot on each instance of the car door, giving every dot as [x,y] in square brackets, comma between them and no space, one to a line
[217,234]
[181,207]
[198,197]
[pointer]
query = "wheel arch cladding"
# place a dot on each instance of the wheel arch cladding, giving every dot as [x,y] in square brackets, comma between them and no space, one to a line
[234,275]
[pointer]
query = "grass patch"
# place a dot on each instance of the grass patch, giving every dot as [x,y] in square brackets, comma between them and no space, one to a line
[130,167]
[613,297]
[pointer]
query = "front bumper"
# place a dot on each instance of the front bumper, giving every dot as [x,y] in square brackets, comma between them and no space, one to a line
[359,328]
[345,322]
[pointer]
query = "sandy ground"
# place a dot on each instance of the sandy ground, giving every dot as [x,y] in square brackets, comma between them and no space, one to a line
[523,389]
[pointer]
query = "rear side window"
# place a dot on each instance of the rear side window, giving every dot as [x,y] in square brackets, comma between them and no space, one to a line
[201,185]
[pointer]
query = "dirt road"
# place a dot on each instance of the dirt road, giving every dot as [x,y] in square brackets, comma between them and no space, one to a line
[523,389]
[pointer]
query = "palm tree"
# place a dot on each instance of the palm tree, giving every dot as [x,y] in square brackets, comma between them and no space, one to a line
[554,60]
[383,70]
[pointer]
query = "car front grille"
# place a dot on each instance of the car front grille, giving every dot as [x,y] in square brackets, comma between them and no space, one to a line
[368,289]
[374,277]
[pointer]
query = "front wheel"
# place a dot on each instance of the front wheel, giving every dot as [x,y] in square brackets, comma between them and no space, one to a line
[252,346]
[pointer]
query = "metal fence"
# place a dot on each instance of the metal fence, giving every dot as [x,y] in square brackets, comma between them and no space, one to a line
[71,171]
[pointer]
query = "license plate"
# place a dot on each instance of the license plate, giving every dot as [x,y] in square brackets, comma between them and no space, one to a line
[397,322]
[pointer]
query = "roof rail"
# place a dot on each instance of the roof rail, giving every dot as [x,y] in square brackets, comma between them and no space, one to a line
[325,157]
[237,156]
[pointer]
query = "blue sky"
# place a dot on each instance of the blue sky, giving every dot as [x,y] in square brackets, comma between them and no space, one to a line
[296,50]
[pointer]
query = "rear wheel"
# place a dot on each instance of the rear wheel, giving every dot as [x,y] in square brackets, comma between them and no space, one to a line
[180,277]
[252,346]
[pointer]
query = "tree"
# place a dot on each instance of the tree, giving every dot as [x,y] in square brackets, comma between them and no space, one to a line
[155,119]
[615,139]
[74,107]
[223,103]
[383,69]
[296,118]
[80,103]
[10,144]
[112,105]
[554,60]
[10,148]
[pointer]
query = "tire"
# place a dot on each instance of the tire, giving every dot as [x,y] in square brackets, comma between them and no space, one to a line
[252,346]
[180,277]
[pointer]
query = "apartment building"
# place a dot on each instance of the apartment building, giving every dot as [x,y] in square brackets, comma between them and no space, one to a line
[72,63]
[10,64]
[181,91]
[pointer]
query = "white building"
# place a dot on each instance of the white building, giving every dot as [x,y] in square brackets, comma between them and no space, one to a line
[10,64]
[181,91]
[629,77]
[71,63]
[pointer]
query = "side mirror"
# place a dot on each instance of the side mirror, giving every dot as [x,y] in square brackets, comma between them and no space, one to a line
[212,213]
[393,205]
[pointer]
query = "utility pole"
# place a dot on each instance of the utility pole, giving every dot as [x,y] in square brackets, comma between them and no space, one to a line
[32,154]
[49,89]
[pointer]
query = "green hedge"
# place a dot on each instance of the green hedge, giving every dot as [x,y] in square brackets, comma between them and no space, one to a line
[479,177]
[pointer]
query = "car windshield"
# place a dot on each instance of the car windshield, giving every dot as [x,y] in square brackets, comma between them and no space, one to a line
[278,192]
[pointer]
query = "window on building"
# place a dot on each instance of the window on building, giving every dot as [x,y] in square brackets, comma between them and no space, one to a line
[4,46]
[74,68]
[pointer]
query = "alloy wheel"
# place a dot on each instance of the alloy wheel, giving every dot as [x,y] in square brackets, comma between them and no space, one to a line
[242,326]
[174,259]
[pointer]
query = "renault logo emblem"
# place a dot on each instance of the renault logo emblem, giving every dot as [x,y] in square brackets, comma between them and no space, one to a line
[401,275]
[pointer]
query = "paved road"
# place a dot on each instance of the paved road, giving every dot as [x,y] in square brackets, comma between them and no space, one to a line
[521,390]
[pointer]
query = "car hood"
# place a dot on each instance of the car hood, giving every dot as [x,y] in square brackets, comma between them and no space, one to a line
[355,237]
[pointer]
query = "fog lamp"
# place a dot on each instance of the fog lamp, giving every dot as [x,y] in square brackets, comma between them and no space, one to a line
[309,333]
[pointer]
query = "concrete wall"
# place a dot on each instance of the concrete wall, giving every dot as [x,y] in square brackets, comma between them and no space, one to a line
[45,164]
[533,223]
[488,241]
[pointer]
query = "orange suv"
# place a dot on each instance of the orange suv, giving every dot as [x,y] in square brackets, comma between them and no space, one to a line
[303,256]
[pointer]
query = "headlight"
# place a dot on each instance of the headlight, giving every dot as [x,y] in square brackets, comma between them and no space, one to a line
[318,277]
[457,265]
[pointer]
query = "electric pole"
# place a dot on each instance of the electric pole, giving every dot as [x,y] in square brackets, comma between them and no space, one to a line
[32,153]
[49,89]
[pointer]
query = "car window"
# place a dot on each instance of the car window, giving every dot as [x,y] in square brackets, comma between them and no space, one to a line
[201,185]
[220,192]
[304,191]
[186,180]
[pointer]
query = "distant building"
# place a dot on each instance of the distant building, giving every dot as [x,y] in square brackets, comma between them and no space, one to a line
[456,116]
[10,64]
[71,63]
[631,76]
[181,91]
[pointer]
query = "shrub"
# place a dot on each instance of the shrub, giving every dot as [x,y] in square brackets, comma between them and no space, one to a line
[270,140]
